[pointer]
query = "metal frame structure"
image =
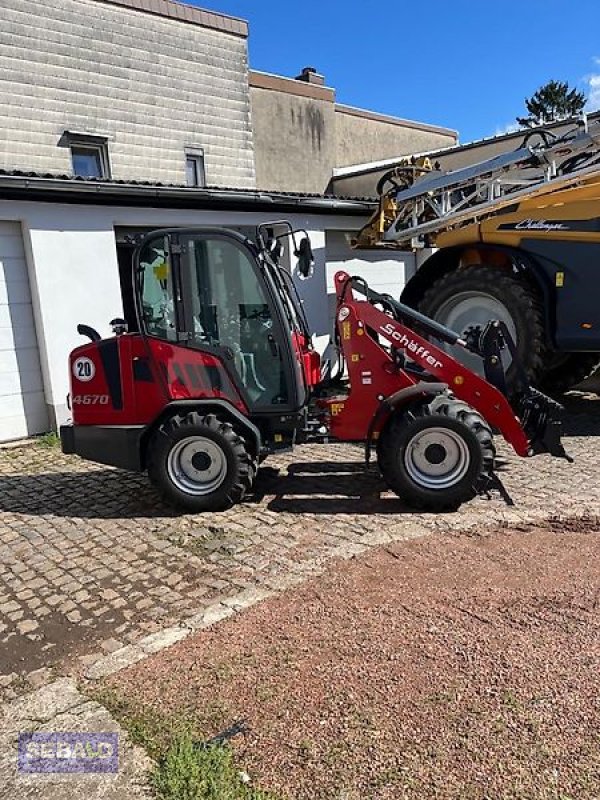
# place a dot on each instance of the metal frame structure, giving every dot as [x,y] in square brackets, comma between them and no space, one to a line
[423,201]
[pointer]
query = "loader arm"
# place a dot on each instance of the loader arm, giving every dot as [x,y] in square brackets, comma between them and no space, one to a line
[371,364]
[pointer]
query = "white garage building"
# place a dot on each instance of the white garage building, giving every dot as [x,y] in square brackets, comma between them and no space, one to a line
[22,403]
[65,248]
[140,106]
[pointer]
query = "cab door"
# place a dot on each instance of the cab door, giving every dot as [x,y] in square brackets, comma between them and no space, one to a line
[206,291]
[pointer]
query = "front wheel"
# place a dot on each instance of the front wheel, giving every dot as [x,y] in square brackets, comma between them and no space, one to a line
[436,456]
[200,463]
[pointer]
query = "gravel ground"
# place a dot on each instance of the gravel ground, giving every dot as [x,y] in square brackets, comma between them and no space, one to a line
[457,666]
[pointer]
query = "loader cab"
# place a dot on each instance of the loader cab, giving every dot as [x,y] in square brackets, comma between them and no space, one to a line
[210,290]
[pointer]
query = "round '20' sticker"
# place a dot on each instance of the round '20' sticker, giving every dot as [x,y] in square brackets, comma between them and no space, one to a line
[84,369]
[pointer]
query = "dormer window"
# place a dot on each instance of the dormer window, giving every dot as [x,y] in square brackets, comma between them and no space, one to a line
[194,167]
[89,154]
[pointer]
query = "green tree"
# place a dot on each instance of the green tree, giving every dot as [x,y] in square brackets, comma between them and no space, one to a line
[553,101]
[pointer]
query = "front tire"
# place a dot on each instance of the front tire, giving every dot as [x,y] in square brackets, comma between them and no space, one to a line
[199,463]
[436,456]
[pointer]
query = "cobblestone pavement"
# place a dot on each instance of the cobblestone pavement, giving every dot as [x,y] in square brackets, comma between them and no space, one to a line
[91,561]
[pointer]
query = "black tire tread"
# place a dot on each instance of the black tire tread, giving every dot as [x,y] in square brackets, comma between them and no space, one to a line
[444,406]
[514,291]
[246,471]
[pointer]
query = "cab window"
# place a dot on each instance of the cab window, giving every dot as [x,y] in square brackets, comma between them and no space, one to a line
[231,310]
[158,302]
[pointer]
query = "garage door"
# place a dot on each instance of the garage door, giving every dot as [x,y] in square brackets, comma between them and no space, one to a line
[22,405]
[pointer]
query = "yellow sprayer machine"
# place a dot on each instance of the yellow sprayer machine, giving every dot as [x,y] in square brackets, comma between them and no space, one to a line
[515,238]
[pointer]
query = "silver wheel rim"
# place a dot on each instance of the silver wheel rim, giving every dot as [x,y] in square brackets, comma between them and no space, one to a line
[197,465]
[466,309]
[437,458]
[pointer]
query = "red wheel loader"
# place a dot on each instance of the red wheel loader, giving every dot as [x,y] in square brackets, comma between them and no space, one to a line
[216,371]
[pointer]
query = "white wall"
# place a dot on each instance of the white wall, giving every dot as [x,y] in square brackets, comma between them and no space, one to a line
[75,278]
[383,271]
[73,271]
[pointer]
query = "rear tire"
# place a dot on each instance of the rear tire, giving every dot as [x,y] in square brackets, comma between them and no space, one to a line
[504,295]
[437,456]
[199,463]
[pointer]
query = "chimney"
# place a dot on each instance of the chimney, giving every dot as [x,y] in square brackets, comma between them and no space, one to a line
[310,75]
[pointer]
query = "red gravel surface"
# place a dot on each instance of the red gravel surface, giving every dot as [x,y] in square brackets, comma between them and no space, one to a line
[449,667]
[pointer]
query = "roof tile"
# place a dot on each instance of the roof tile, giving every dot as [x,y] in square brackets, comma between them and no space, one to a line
[206,190]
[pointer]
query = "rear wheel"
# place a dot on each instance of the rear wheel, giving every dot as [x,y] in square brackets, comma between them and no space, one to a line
[475,295]
[436,456]
[200,463]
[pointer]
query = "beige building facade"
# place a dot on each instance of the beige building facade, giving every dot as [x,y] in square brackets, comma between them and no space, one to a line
[132,86]
[364,135]
[301,135]
[360,179]
[160,91]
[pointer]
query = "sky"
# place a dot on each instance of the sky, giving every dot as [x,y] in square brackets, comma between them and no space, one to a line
[464,64]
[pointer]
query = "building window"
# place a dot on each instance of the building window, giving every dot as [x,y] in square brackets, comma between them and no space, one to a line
[89,154]
[194,168]
[87,162]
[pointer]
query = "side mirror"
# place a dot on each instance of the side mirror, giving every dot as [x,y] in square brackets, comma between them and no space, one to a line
[305,257]
[275,250]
